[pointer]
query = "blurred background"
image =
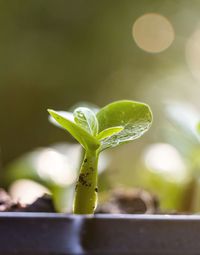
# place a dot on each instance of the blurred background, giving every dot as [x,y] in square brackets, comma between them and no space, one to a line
[54,54]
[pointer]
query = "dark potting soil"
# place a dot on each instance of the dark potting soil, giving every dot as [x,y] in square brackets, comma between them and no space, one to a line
[42,204]
[130,201]
[125,201]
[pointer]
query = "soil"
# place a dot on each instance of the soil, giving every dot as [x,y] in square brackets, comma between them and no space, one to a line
[130,201]
[123,201]
[42,204]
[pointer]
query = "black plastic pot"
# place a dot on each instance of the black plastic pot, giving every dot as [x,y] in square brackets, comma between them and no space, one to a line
[59,234]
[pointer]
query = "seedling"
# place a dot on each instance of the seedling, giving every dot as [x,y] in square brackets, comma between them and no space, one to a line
[183,132]
[114,124]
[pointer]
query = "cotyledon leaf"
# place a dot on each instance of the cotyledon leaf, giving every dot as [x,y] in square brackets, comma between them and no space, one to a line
[66,115]
[69,114]
[86,118]
[81,135]
[134,117]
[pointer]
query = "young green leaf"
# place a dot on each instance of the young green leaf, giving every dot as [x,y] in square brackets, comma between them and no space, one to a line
[85,118]
[66,115]
[81,135]
[88,105]
[134,117]
[109,132]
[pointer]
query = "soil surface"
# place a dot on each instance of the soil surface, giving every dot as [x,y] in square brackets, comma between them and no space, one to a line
[130,201]
[123,201]
[42,204]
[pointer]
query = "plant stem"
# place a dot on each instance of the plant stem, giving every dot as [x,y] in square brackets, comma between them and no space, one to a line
[85,200]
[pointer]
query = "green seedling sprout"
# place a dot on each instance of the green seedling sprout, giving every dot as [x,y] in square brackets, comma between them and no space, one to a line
[114,124]
[183,132]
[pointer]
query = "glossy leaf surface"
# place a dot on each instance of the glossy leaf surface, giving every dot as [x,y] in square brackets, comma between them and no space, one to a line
[85,118]
[134,117]
[88,141]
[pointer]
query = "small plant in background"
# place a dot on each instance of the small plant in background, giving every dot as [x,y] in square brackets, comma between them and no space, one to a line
[181,129]
[183,132]
[171,168]
[114,124]
[52,169]
[162,170]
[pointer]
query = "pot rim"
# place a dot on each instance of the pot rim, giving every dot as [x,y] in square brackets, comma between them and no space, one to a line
[146,217]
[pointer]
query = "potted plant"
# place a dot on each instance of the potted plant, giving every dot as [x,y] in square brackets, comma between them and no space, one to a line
[83,232]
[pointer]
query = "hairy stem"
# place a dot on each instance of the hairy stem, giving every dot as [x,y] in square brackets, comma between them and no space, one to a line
[85,200]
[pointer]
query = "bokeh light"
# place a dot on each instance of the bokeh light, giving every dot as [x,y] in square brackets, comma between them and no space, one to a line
[26,191]
[192,52]
[164,159]
[56,167]
[153,32]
